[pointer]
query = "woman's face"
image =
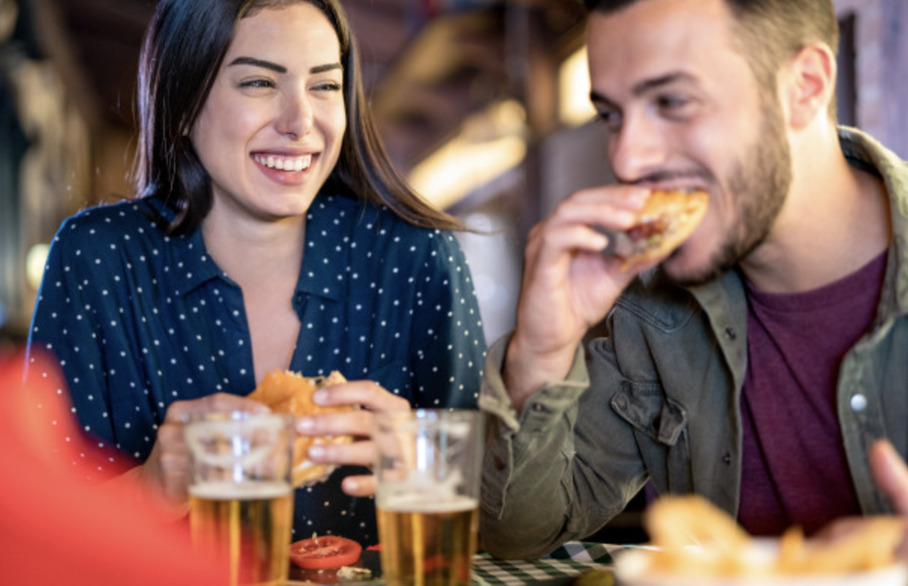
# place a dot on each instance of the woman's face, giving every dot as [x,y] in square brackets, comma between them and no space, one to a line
[271,129]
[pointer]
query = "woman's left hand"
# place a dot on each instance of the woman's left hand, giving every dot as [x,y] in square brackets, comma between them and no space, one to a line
[358,423]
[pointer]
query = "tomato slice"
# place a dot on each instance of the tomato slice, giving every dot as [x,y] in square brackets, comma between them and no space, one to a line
[324,553]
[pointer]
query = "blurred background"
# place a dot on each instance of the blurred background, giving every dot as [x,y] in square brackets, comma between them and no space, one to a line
[483,104]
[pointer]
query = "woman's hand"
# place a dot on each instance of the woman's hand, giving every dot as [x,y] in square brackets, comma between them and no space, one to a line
[358,423]
[166,471]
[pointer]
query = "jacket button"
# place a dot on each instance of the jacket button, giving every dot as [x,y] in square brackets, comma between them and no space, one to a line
[858,402]
[731,334]
[726,459]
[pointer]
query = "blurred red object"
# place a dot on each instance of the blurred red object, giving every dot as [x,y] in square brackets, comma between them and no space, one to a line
[58,527]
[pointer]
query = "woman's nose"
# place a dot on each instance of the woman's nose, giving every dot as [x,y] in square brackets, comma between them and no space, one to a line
[296,115]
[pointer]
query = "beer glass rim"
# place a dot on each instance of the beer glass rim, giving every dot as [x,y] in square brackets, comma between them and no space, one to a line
[430,414]
[235,415]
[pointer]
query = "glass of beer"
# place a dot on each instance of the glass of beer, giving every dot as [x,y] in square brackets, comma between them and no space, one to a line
[240,492]
[427,500]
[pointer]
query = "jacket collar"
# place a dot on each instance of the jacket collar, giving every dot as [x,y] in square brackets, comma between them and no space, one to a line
[862,150]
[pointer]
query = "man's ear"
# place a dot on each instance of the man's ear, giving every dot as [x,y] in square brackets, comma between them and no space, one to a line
[810,80]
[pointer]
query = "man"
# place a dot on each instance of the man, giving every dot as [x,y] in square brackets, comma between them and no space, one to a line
[758,363]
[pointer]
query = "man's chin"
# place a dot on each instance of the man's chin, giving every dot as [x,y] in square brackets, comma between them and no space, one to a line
[684,271]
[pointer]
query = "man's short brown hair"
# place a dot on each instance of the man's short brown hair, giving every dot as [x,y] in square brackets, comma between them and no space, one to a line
[769,32]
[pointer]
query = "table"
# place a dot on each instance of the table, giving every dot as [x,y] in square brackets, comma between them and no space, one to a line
[561,567]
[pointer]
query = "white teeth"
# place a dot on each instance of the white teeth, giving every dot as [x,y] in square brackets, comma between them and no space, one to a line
[293,164]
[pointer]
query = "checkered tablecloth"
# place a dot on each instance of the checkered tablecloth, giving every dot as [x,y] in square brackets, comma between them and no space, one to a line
[571,559]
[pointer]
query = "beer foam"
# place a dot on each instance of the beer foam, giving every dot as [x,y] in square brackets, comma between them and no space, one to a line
[243,491]
[420,503]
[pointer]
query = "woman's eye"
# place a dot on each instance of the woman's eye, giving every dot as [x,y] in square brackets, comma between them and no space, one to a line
[257,83]
[329,86]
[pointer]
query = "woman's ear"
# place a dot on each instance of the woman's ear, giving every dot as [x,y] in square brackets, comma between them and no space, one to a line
[810,80]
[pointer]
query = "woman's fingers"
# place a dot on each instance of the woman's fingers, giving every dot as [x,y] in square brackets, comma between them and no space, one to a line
[358,422]
[361,485]
[211,404]
[168,464]
[369,394]
[361,453]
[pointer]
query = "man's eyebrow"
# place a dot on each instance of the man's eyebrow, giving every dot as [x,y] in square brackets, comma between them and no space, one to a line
[657,82]
[644,86]
[280,68]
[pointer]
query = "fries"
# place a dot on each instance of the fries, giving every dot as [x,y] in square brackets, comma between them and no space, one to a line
[692,537]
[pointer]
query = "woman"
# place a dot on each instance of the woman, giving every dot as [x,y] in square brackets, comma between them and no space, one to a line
[270,232]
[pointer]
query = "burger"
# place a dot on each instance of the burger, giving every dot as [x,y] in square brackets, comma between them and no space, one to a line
[289,392]
[666,220]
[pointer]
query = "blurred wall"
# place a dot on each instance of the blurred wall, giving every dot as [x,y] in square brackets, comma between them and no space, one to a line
[57,156]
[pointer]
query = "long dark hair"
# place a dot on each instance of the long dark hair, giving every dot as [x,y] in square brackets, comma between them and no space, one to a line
[182,52]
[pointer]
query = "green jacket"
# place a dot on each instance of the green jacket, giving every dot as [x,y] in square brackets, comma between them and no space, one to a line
[659,399]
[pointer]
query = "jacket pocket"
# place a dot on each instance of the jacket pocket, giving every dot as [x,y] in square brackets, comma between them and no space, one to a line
[660,428]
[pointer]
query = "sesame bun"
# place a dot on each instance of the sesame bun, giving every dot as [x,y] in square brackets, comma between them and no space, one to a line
[290,392]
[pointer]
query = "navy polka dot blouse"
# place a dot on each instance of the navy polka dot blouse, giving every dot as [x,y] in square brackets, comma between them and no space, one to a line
[139,320]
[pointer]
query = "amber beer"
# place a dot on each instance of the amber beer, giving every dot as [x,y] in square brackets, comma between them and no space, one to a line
[427,542]
[247,523]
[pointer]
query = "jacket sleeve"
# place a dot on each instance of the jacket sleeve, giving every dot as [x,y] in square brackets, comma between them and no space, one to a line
[550,476]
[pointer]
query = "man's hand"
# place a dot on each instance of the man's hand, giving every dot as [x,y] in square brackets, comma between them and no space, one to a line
[568,285]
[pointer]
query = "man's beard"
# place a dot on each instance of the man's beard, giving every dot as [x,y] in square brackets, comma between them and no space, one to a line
[759,182]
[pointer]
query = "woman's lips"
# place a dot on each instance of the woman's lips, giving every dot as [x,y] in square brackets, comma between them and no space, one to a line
[288,170]
[284,163]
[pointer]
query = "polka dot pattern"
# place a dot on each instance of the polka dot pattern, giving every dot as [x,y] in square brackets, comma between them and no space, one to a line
[139,320]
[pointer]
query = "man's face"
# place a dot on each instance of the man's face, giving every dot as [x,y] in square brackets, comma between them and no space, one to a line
[683,110]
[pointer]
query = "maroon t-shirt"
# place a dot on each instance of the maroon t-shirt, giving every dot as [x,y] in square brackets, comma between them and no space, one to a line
[794,466]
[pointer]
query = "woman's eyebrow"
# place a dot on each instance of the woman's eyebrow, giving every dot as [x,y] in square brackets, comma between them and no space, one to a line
[280,68]
[259,63]
[326,67]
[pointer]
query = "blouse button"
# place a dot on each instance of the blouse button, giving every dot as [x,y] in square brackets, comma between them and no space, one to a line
[858,402]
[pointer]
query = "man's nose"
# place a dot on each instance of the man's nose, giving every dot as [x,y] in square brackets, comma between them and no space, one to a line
[638,150]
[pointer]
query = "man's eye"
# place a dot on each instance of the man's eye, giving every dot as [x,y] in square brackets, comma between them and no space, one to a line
[672,102]
[610,118]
